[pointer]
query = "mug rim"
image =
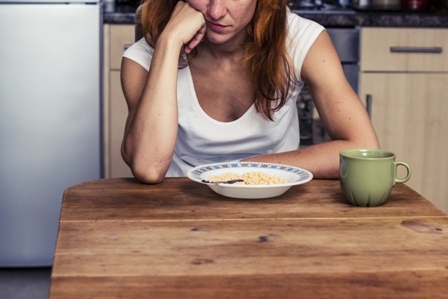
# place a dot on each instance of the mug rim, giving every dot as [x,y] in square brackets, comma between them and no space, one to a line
[346,153]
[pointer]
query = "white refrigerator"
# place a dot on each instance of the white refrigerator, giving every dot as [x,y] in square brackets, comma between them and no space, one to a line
[50,119]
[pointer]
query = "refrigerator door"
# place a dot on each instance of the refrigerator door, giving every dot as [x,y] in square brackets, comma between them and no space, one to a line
[49,121]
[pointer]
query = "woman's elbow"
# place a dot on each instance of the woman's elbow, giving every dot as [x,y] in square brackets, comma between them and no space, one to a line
[369,141]
[144,171]
[148,175]
[375,144]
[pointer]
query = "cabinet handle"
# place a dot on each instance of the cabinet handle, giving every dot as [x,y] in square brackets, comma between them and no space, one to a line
[369,105]
[416,49]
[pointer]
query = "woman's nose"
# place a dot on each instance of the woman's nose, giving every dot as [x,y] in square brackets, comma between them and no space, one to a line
[216,9]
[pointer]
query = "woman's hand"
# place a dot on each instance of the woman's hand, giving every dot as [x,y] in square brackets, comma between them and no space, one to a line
[187,24]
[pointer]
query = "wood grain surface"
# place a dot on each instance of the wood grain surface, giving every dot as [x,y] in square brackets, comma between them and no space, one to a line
[126,199]
[121,239]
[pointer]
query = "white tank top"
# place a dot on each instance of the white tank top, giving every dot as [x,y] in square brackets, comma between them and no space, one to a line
[203,140]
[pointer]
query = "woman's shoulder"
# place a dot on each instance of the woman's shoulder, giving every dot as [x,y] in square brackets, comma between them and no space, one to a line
[302,33]
[140,52]
[299,26]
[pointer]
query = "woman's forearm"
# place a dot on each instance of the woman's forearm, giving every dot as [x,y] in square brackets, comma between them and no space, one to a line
[151,133]
[322,160]
[151,128]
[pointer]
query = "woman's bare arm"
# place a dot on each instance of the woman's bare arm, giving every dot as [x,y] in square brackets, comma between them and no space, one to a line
[151,126]
[343,114]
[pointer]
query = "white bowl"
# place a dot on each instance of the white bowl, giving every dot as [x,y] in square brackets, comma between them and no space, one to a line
[292,175]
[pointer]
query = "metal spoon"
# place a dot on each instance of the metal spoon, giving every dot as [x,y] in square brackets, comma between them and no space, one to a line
[223,182]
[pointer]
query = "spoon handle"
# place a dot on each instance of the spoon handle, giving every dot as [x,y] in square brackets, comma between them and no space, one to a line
[223,182]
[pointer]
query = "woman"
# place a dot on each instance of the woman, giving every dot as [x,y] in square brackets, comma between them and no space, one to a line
[217,81]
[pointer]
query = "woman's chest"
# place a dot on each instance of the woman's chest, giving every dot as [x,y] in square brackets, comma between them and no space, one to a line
[222,94]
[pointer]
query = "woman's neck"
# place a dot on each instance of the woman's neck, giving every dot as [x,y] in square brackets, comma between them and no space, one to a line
[231,48]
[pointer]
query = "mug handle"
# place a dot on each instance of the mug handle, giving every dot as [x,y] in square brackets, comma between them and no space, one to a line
[408,175]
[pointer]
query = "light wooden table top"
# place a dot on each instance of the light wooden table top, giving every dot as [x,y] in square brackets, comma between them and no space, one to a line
[121,239]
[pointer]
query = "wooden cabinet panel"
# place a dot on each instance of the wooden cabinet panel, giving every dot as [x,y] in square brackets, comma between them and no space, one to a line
[418,49]
[116,39]
[409,116]
[118,115]
[409,106]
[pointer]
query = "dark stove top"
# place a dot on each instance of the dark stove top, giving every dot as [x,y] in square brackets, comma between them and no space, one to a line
[317,7]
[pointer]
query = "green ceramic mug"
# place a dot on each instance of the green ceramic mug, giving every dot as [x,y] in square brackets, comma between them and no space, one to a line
[368,175]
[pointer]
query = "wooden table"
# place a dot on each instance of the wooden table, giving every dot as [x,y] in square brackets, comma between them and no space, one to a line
[121,239]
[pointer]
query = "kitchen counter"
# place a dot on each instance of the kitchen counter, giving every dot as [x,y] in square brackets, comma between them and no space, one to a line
[123,14]
[343,18]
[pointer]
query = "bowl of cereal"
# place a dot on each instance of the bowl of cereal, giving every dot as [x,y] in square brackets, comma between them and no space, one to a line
[258,179]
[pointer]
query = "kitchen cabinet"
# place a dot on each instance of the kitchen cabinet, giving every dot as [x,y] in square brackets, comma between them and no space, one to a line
[405,72]
[116,39]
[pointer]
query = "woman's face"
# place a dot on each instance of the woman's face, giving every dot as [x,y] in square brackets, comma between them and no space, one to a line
[225,18]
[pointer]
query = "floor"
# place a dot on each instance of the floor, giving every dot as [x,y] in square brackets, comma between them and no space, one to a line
[24,283]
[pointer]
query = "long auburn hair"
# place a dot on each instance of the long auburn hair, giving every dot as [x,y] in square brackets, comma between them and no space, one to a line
[265,48]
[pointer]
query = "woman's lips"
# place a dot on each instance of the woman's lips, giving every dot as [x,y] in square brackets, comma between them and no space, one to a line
[215,26]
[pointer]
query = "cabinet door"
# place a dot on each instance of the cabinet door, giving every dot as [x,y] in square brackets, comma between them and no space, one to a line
[409,115]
